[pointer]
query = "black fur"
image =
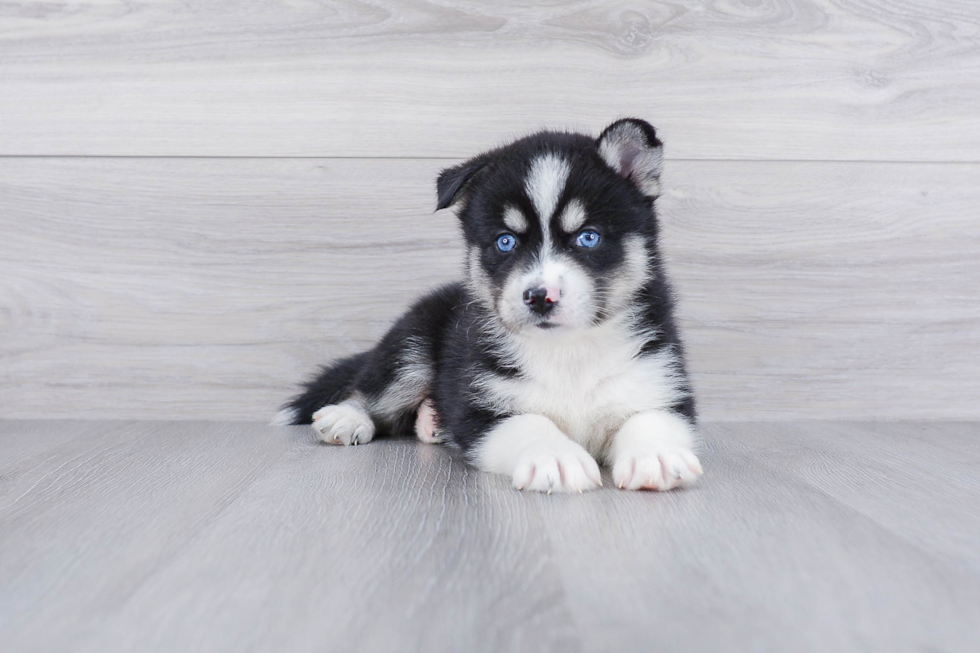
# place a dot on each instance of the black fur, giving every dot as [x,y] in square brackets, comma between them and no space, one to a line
[446,327]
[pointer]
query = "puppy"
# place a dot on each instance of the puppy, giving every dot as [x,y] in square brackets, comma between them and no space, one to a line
[558,349]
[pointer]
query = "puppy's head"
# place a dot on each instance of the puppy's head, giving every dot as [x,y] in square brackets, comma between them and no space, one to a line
[559,227]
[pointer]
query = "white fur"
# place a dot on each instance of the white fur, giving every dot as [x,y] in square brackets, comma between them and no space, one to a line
[344,423]
[572,217]
[544,185]
[587,381]
[654,450]
[515,220]
[633,275]
[537,456]
[576,306]
[284,417]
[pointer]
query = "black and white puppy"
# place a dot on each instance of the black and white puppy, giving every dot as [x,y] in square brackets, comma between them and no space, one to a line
[558,349]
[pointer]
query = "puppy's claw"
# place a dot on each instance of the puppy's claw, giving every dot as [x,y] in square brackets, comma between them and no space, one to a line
[661,470]
[555,466]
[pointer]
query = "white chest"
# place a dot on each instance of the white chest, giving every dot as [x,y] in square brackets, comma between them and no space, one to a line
[587,386]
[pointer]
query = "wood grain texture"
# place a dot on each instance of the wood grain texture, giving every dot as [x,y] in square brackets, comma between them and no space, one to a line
[223,537]
[731,79]
[881,472]
[393,548]
[83,525]
[183,288]
[766,556]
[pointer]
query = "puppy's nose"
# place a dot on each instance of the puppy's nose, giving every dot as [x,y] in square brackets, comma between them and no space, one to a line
[538,300]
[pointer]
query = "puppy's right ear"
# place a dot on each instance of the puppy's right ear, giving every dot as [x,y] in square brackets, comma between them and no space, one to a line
[452,181]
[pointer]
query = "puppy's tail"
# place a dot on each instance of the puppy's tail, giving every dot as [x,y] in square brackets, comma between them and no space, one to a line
[331,385]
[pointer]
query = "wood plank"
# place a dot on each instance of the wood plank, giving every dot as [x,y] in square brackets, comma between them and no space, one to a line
[910,478]
[205,288]
[24,444]
[224,536]
[758,558]
[84,526]
[846,278]
[724,80]
[396,547]
[113,267]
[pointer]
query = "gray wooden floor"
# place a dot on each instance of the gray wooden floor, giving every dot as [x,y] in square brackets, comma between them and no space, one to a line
[198,536]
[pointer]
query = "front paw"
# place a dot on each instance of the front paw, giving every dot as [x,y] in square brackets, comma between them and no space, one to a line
[556,467]
[662,468]
[344,423]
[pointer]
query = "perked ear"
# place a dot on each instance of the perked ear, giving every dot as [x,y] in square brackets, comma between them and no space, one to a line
[631,148]
[452,181]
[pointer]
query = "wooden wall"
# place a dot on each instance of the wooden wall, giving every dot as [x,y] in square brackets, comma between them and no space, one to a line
[199,202]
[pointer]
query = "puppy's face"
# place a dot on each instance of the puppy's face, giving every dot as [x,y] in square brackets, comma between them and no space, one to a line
[557,226]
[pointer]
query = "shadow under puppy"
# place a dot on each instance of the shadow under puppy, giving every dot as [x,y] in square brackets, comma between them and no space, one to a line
[558,349]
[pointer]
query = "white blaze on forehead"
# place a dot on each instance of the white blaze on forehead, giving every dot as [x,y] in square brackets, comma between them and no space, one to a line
[573,217]
[551,273]
[515,220]
[544,185]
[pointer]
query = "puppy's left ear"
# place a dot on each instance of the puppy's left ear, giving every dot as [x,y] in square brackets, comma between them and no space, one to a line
[452,181]
[631,148]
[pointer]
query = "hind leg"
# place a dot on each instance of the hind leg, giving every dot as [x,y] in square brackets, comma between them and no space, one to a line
[426,424]
[344,423]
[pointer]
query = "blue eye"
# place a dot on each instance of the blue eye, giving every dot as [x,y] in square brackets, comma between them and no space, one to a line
[506,242]
[587,238]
